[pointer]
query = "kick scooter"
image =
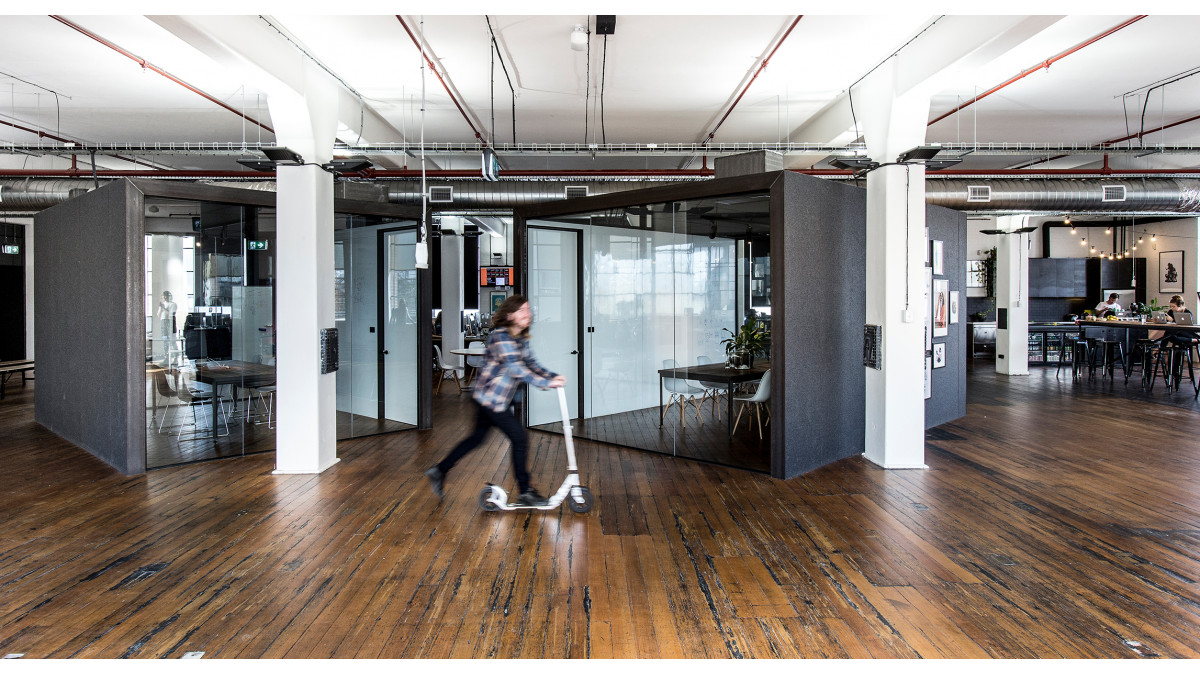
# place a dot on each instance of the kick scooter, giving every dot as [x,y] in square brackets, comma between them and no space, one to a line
[578,497]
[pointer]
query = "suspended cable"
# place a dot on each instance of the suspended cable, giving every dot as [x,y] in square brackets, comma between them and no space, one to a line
[504,68]
[603,71]
[587,82]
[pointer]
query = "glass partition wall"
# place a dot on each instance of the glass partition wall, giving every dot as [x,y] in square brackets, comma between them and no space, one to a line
[632,304]
[210,328]
[375,309]
[210,350]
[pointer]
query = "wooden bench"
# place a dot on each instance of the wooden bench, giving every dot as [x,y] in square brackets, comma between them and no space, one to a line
[10,368]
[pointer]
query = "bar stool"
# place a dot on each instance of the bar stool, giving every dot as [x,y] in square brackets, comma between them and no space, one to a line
[1140,356]
[1112,353]
[1081,356]
[1177,356]
[1068,346]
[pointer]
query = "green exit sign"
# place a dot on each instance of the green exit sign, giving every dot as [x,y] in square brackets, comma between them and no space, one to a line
[256,245]
[14,249]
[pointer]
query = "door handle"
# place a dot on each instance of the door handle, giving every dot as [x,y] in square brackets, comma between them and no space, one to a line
[385,352]
[575,351]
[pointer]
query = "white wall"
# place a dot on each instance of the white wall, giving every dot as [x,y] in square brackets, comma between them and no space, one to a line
[1173,235]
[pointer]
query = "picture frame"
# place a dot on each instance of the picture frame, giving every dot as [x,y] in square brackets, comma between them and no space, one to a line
[928,311]
[941,307]
[953,306]
[497,298]
[939,355]
[1170,272]
[975,274]
[938,257]
[928,377]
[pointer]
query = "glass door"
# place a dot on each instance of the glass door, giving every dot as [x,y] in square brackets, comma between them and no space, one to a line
[398,337]
[554,298]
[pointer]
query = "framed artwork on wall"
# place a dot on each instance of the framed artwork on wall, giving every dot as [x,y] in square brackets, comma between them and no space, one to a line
[928,311]
[497,299]
[939,355]
[938,257]
[1170,272]
[941,307]
[953,306]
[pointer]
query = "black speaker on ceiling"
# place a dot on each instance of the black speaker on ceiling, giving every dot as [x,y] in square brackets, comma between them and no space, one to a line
[606,24]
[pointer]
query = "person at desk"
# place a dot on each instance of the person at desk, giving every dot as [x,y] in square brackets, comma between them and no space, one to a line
[508,363]
[1110,305]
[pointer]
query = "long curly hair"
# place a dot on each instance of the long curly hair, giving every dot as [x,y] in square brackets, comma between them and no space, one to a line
[501,318]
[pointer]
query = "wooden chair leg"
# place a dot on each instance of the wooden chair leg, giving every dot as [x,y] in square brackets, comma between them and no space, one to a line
[438,388]
[758,417]
[738,419]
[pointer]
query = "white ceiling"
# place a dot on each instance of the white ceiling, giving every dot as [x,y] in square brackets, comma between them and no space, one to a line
[664,79]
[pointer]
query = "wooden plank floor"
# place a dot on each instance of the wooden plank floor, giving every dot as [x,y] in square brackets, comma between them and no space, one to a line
[1055,520]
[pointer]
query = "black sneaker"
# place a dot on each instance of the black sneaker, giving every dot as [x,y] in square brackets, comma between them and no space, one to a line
[530,497]
[435,477]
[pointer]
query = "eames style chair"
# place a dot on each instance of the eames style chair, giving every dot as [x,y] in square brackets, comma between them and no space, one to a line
[475,362]
[441,364]
[712,390]
[681,393]
[757,402]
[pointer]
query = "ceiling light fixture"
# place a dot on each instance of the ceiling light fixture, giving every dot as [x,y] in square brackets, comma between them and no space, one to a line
[579,38]
[1154,237]
[853,163]
[1108,230]
[1072,229]
[1067,221]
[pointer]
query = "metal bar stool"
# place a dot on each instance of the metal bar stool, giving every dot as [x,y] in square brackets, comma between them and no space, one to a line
[1112,353]
[1081,356]
[1139,357]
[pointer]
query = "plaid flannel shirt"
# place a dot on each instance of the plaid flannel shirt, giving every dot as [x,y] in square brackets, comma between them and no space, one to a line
[509,363]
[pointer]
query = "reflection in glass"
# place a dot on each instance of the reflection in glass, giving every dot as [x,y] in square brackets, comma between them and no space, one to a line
[660,283]
[375,301]
[210,351]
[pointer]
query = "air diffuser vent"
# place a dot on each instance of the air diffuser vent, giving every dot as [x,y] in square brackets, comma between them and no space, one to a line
[574,191]
[979,193]
[442,194]
[1114,193]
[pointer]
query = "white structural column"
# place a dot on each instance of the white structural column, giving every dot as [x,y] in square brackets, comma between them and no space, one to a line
[452,297]
[1012,296]
[894,121]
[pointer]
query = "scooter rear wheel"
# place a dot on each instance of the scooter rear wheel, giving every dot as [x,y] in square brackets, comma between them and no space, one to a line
[581,507]
[485,496]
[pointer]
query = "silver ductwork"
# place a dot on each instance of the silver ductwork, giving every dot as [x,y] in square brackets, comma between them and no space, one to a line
[481,194]
[1071,195]
[976,195]
[35,194]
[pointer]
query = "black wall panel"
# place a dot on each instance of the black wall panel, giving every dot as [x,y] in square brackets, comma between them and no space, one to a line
[88,324]
[818,252]
[949,386]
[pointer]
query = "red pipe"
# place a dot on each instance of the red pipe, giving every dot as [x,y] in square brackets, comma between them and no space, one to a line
[384,173]
[146,64]
[761,68]
[417,42]
[1164,127]
[1044,64]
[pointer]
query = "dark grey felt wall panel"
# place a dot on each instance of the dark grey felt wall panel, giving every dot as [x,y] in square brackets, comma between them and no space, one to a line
[818,272]
[949,386]
[90,332]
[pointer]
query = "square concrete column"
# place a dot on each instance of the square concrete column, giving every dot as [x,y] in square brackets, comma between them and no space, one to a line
[895,433]
[306,436]
[1012,297]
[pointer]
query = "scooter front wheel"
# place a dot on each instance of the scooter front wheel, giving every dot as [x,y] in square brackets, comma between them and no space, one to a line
[485,503]
[585,505]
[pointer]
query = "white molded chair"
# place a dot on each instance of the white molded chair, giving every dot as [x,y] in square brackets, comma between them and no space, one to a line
[475,362]
[758,402]
[441,364]
[194,399]
[681,393]
[712,390]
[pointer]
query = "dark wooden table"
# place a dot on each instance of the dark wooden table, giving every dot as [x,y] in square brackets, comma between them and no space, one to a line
[240,373]
[713,372]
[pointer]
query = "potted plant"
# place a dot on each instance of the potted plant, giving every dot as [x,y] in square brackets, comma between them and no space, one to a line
[750,340]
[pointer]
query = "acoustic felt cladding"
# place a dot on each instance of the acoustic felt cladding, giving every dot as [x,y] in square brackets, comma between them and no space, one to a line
[949,386]
[818,268]
[89,325]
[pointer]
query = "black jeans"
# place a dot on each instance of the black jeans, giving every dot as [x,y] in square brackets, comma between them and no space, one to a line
[507,423]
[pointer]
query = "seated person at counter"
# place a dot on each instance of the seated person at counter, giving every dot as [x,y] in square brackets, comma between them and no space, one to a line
[1110,305]
[1177,307]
